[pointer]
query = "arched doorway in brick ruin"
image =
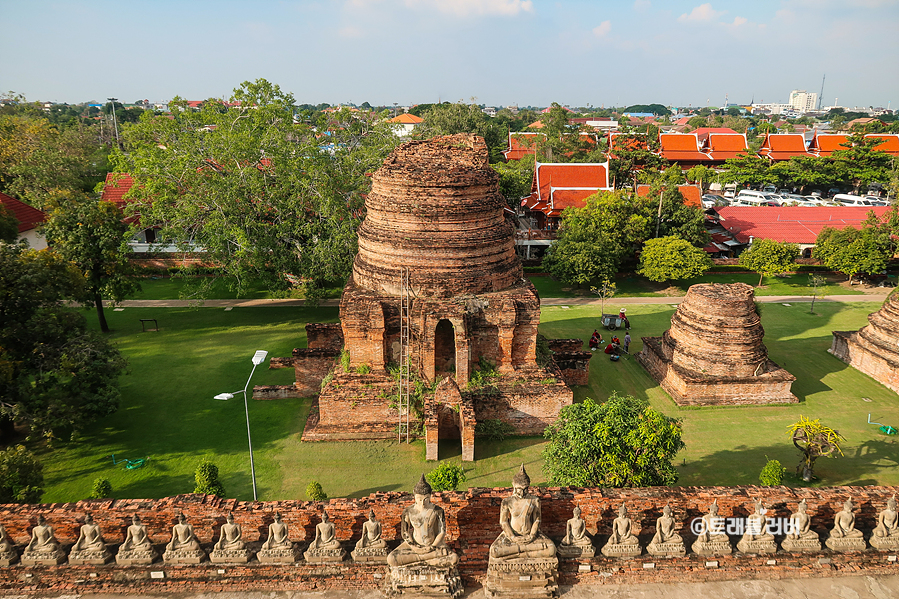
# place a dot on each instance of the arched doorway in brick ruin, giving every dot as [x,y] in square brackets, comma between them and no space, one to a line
[444,349]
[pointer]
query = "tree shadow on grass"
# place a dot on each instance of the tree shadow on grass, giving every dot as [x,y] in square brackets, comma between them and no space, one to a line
[484,448]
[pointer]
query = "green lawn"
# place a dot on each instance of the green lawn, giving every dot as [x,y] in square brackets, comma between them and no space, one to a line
[632,285]
[160,288]
[168,413]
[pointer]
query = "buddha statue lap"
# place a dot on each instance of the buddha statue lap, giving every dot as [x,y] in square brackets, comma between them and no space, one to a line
[712,538]
[325,548]
[90,548]
[666,542]
[577,542]
[622,542]
[136,550]
[43,549]
[230,548]
[886,534]
[371,547]
[277,548]
[757,538]
[184,548]
[800,536]
[844,536]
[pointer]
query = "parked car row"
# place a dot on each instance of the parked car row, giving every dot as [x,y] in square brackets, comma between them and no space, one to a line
[749,197]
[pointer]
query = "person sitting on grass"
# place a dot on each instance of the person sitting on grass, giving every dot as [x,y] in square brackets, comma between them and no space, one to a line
[595,340]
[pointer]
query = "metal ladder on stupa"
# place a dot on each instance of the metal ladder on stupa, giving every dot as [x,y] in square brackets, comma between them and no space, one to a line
[403,407]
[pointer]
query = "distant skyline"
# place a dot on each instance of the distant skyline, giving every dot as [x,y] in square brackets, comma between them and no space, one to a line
[500,52]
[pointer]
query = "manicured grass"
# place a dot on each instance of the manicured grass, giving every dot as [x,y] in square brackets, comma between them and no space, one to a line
[168,413]
[632,285]
[160,288]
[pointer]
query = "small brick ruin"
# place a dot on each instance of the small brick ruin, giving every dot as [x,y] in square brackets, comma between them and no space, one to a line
[713,353]
[435,212]
[874,349]
[472,522]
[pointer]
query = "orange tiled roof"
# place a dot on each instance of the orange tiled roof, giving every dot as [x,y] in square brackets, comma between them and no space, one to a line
[558,186]
[692,194]
[721,146]
[783,146]
[29,218]
[703,132]
[793,224]
[826,144]
[406,119]
[890,143]
[521,143]
[117,185]
[681,147]
[632,144]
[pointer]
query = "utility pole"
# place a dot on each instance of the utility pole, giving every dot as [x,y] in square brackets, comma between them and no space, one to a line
[821,95]
[114,123]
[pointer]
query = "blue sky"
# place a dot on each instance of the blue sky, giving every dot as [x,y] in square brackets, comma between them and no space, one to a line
[526,52]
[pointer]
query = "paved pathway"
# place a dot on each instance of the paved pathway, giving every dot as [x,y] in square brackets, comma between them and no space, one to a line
[819,587]
[547,301]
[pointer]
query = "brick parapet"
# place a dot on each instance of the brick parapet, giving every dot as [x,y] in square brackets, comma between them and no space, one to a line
[472,524]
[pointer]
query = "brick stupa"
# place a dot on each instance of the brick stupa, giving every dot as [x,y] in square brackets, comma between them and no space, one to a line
[435,209]
[713,353]
[874,349]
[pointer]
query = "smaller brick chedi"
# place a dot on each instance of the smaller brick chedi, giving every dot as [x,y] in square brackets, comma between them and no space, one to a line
[436,234]
[874,349]
[713,353]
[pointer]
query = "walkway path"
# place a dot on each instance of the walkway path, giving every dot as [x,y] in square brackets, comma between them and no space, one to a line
[547,301]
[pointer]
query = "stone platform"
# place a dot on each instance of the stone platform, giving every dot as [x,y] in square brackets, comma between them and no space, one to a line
[801,545]
[522,578]
[423,581]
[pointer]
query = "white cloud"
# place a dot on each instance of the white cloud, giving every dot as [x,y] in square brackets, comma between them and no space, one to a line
[642,5]
[703,13]
[602,29]
[464,8]
[739,21]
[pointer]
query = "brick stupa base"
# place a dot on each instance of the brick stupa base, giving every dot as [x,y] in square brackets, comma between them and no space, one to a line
[874,349]
[713,353]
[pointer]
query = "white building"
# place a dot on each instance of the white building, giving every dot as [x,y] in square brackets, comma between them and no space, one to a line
[801,101]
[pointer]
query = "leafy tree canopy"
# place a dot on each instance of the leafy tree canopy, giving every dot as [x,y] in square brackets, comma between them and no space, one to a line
[268,198]
[672,258]
[853,251]
[9,225]
[21,476]
[623,442]
[55,374]
[768,257]
[656,109]
[449,119]
[515,179]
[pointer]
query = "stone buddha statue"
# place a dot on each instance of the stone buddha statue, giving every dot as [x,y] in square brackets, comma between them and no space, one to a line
[43,548]
[520,519]
[8,553]
[577,542]
[622,542]
[184,548]
[666,542]
[278,547]
[137,548]
[712,539]
[886,533]
[522,559]
[843,535]
[800,536]
[423,563]
[90,548]
[757,538]
[325,547]
[370,547]
[423,527]
[230,548]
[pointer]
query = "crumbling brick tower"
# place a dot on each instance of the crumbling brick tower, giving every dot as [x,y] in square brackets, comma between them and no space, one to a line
[874,349]
[713,353]
[435,209]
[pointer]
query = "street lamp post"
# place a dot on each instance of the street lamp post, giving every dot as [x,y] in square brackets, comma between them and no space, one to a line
[258,358]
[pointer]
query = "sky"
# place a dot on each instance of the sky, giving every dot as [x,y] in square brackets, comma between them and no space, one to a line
[500,52]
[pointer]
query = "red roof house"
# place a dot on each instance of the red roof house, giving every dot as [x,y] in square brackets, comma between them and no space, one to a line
[117,185]
[703,132]
[890,143]
[783,146]
[692,194]
[682,148]
[558,186]
[522,143]
[29,220]
[793,224]
[826,144]
[722,146]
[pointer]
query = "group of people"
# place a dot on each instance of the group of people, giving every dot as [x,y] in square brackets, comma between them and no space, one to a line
[615,346]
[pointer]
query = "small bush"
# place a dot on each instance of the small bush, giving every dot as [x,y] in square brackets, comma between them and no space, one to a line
[328,378]
[345,360]
[363,369]
[772,474]
[446,477]
[493,430]
[207,477]
[544,354]
[21,476]
[315,492]
[102,489]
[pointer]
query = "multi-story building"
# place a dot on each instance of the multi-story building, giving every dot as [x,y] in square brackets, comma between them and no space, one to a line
[801,101]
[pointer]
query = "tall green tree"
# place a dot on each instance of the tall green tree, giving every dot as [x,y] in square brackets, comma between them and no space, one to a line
[671,258]
[861,164]
[747,169]
[9,225]
[853,251]
[91,234]
[768,257]
[515,179]
[21,476]
[449,119]
[56,376]
[623,442]
[269,197]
